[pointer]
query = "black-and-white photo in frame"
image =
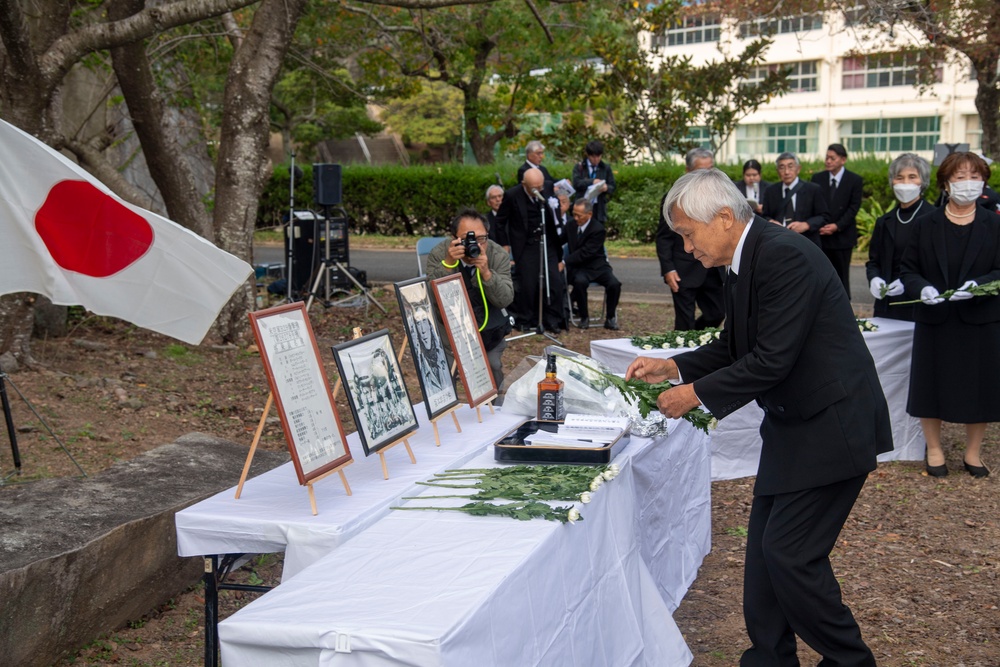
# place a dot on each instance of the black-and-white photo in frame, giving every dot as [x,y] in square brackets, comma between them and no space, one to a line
[426,346]
[463,334]
[375,390]
[308,414]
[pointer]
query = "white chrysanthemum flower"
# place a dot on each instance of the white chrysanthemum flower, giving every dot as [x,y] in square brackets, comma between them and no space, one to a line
[665,346]
[717,335]
[713,424]
[679,340]
[647,347]
[607,476]
[614,470]
[691,343]
[585,497]
[573,515]
[705,338]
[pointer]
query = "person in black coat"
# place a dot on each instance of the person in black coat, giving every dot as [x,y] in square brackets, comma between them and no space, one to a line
[751,185]
[498,234]
[591,170]
[587,262]
[956,358]
[534,153]
[794,203]
[909,176]
[690,283]
[842,189]
[791,343]
[521,213]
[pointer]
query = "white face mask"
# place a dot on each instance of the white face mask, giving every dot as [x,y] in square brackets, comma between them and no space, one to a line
[906,192]
[965,192]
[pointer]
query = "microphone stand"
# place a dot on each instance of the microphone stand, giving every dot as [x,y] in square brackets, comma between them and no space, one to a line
[544,291]
[290,255]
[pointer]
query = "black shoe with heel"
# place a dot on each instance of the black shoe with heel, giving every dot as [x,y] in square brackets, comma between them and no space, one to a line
[976,471]
[938,471]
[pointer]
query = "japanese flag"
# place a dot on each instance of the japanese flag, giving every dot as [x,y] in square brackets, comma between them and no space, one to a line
[65,235]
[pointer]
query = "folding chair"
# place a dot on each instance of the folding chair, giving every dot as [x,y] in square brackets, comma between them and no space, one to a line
[424,246]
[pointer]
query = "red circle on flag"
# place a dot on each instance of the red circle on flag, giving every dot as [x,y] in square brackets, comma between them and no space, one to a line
[90,232]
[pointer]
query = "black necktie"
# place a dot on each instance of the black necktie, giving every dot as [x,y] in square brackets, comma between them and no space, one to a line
[789,205]
[833,188]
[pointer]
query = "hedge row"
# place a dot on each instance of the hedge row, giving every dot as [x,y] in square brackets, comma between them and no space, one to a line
[420,200]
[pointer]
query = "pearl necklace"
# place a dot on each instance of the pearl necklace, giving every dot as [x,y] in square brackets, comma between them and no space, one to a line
[903,222]
[949,210]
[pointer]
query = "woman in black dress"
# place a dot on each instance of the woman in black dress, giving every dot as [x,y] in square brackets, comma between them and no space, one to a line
[751,186]
[909,176]
[956,359]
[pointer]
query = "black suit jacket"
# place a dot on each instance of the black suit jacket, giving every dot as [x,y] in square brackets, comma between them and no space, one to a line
[792,343]
[843,209]
[513,216]
[673,257]
[810,206]
[549,181]
[582,180]
[925,263]
[586,251]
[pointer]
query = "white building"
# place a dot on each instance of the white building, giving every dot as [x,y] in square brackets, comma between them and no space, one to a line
[867,103]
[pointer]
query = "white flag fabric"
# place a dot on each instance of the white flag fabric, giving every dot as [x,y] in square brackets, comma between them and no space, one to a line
[67,236]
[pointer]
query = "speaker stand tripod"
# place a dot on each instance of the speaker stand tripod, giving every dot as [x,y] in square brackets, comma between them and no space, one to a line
[324,272]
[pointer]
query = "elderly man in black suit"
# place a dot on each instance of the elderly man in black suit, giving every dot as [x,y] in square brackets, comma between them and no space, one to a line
[588,263]
[842,189]
[534,153]
[792,344]
[690,283]
[794,203]
[521,213]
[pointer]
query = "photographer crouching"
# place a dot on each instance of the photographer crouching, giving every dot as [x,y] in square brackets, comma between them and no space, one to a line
[485,268]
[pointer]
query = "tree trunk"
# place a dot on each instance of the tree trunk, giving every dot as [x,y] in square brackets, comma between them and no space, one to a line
[17,319]
[243,164]
[988,106]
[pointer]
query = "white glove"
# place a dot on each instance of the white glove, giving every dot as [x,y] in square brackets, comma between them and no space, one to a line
[963,293]
[895,288]
[876,286]
[930,296]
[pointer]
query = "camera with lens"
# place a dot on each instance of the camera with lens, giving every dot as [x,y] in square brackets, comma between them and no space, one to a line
[472,248]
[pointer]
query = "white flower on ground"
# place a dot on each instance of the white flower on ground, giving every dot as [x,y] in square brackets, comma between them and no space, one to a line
[573,515]
[647,347]
[585,497]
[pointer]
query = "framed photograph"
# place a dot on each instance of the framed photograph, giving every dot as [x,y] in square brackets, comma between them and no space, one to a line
[301,392]
[463,334]
[426,346]
[375,390]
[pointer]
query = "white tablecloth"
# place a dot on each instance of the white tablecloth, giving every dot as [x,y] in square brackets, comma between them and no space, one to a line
[273,512]
[736,442]
[430,588]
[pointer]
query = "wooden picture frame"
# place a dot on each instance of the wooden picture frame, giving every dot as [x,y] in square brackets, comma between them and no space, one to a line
[426,346]
[308,414]
[463,334]
[375,390]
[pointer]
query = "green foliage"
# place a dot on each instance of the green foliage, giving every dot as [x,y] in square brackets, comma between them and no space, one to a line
[866,222]
[432,116]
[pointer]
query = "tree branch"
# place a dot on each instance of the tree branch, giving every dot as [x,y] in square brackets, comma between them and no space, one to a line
[541,21]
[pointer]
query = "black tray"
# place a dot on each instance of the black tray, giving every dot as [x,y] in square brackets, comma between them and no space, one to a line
[511,448]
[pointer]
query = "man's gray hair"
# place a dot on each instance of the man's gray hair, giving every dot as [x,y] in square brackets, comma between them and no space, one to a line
[911,161]
[585,204]
[491,189]
[697,154]
[702,194]
[534,147]
[787,156]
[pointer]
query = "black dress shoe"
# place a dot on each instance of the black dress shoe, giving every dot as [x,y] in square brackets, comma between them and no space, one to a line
[937,471]
[976,471]
[611,323]
[584,323]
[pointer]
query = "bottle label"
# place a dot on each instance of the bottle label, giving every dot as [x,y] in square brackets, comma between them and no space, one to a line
[550,405]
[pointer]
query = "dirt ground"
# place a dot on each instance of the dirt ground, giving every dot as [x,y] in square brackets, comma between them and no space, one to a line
[918,559]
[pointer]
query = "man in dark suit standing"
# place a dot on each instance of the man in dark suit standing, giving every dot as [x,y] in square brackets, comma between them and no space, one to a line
[534,153]
[690,283]
[588,263]
[591,171]
[521,213]
[792,344]
[842,190]
[794,203]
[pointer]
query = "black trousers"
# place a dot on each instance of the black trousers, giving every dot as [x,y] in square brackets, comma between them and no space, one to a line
[708,296]
[606,278]
[841,260]
[788,584]
[525,304]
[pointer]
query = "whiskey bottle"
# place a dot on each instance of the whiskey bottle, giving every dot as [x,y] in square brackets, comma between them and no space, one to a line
[550,394]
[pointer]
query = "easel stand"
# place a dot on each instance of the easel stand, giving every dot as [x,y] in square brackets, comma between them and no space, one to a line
[434,423]
[383,450]
[12,432]
[253,449]
[489,403]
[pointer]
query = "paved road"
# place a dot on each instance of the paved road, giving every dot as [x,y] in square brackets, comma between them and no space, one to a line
[640,277]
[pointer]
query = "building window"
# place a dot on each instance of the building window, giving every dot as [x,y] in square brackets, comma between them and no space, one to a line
[690,30]
[891,135]
[701,136]
[772,138]
[803,78]
[883,70]
[973,133]
[777,26]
